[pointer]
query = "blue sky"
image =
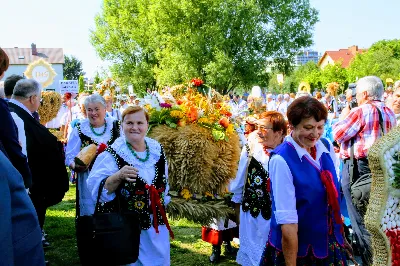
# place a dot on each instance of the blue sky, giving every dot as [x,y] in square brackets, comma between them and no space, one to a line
[343,23]
[66,24]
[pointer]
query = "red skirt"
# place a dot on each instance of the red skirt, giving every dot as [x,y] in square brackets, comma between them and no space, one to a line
[216,237]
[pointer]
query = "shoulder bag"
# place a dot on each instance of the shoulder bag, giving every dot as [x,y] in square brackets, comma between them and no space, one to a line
[111,236]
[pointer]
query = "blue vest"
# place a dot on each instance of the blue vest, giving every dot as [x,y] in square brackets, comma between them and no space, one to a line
[311,204]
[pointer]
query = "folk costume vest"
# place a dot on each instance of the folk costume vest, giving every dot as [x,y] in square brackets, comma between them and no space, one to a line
[315,221]
[86,141]
[136,196]
[256,194]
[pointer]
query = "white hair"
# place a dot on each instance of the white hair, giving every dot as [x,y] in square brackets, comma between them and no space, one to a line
[396,85]
[349,93]
[279,97]
[95,98]
[372,85]
[25,88]
[302,93]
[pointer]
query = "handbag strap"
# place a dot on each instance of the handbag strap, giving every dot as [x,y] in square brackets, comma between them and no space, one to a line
[351,165]
[249,157]
[380,119]
[78,207]
[101,186]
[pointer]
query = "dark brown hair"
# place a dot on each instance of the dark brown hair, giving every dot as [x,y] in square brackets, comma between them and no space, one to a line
[305,107]
[134,109]
[4,61]
[277,119]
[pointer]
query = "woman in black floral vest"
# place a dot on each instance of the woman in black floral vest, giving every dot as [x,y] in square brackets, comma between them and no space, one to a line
[136,170]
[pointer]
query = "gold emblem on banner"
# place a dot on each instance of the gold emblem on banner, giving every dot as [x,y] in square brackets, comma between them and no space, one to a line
[41,71]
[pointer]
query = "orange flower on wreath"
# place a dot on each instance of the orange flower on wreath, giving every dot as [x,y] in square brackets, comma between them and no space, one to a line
[192,114]
[224,122]
[226,113]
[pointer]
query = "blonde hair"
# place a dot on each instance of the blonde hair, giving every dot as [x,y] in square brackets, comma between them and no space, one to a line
[134,109]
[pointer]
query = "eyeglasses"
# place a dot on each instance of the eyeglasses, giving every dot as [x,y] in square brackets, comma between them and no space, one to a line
[263,128]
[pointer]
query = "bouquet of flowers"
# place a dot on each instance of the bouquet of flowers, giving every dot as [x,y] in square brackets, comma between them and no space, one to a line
[191,107]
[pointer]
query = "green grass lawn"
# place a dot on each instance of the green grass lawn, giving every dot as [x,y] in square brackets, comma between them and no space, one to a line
[186,249]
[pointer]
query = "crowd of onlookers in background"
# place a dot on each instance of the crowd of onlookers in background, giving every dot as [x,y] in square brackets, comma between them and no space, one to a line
[334,103]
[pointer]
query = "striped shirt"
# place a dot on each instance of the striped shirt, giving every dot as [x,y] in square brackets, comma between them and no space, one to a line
[362,124]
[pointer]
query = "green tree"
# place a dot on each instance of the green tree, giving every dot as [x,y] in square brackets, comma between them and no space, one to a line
[334,73]
[72,68]
[382,60]
[96,79]
[224,42]
[306,72]
[283,65]
[81,84]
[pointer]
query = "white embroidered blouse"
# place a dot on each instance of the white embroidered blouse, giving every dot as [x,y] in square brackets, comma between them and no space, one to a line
[106,166]
[74,142]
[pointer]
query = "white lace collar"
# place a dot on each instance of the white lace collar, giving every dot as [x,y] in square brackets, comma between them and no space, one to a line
[85,130]
[120,147]
[259,154]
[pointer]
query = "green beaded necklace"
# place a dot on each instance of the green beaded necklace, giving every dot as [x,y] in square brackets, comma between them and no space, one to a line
[99,134]
[135,154]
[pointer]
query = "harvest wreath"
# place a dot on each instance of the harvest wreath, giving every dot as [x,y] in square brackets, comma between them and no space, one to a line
[202,148]
[383,213]
[49,107]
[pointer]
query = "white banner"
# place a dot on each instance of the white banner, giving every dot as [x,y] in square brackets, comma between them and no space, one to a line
[68,86]
[279,78]
[130,89]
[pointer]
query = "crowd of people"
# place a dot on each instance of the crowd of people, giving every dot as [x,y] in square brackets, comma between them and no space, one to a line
[293,185]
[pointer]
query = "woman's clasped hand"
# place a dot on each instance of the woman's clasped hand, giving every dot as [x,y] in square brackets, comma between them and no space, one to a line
[128,173]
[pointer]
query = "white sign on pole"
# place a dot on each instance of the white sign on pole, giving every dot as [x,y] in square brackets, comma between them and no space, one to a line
[68,86]
[130,89]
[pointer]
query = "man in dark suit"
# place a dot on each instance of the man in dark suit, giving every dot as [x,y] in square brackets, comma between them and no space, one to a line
[46,162]
[11,146]
[8,132]
[20,234]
